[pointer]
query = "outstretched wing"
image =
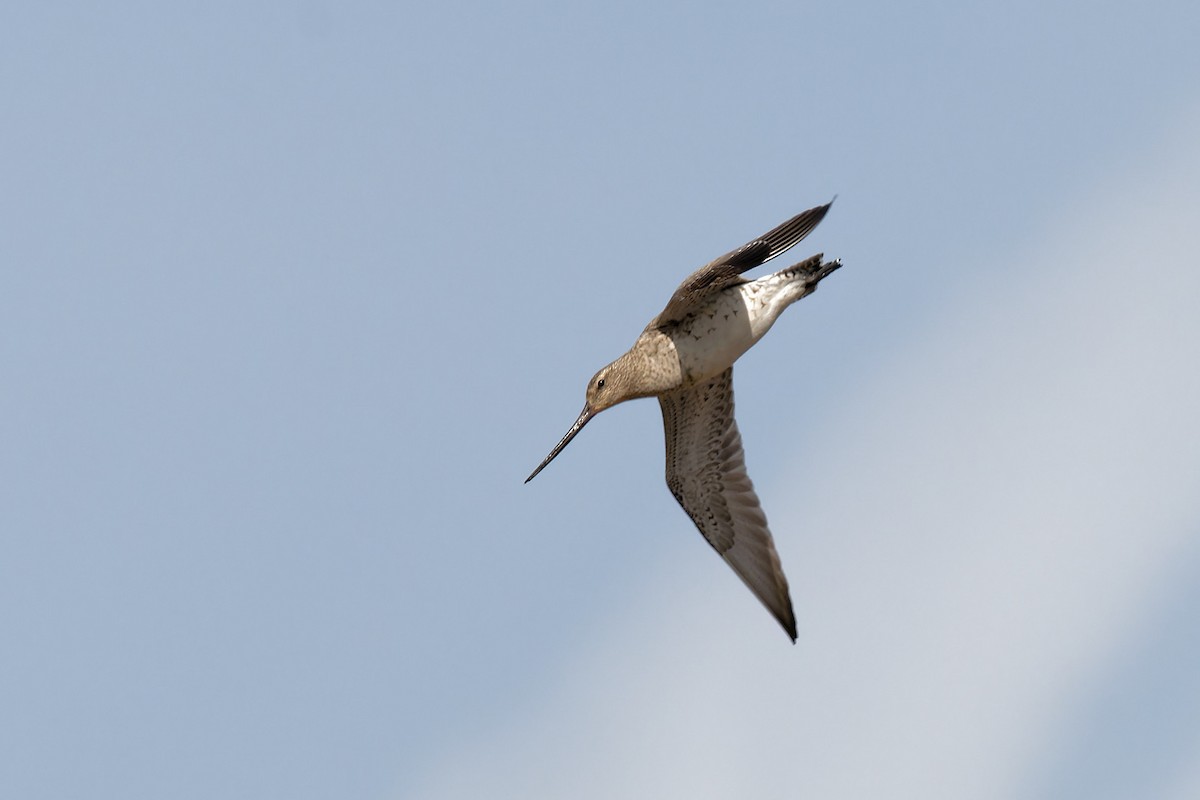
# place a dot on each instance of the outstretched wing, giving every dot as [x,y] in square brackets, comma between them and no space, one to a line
[726,270]
[706,471]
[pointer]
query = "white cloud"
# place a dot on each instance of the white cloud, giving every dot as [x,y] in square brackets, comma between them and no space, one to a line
[980,526]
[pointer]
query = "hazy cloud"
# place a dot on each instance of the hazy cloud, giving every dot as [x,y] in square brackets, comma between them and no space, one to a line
[982,531]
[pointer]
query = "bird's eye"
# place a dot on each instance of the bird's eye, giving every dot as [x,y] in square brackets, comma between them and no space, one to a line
[600,383]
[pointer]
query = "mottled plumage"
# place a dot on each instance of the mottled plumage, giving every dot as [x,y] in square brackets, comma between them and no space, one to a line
[685,358]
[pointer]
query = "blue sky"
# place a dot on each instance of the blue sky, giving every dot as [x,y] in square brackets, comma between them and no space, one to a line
[294,296]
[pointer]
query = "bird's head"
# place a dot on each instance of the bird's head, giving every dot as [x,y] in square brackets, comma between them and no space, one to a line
[613,384]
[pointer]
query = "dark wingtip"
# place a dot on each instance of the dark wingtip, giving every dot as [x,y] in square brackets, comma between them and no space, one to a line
[787,621]
[818,214]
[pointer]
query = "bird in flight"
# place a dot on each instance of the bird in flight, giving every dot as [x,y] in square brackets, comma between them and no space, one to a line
[685,358]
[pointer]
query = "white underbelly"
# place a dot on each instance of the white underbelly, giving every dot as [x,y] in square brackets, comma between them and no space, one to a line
[710,340]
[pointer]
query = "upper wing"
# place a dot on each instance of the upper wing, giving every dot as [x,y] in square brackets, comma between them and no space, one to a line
[725,271]
[706,471]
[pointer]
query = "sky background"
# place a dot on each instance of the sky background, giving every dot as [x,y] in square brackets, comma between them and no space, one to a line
[293,296]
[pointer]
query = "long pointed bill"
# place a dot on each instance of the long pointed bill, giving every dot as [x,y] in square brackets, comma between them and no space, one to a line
[584,416]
